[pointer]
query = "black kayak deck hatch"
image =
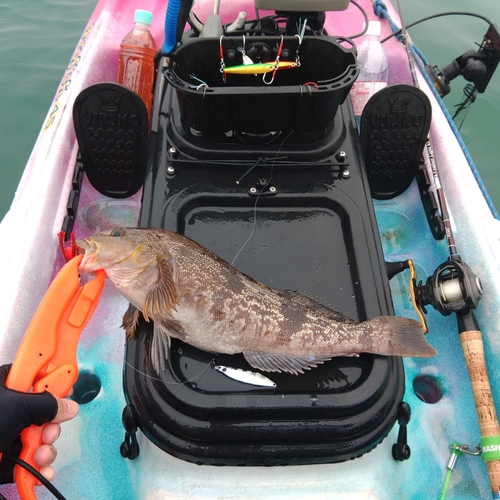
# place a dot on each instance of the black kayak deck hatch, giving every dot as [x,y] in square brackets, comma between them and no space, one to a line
[292,209]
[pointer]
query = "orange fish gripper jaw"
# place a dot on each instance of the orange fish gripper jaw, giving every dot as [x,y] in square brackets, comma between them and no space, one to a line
[46,359]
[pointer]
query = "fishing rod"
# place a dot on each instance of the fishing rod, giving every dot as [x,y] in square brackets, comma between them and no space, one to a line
[454,288]
[430,150]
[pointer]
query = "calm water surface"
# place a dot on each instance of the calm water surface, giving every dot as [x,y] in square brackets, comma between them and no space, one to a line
[37,39]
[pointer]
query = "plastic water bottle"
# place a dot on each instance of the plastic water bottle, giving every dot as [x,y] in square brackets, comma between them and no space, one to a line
[372,62]
[136,67]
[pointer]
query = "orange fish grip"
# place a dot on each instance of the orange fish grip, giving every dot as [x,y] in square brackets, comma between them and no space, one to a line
[46,359]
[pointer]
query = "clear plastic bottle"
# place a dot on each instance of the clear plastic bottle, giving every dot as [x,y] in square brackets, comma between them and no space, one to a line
[372,62]
[136,59]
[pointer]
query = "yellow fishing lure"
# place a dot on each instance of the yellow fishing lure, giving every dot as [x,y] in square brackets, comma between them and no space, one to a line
[259,68]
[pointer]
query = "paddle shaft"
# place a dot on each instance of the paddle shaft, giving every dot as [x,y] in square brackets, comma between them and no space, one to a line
[472,345]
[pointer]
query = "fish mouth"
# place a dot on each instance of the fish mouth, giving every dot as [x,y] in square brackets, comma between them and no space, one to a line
[82,245]
[89,250]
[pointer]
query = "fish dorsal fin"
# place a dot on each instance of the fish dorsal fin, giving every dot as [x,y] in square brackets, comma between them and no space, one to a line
[131,320]
[162,297]
[310,300]
[283,363]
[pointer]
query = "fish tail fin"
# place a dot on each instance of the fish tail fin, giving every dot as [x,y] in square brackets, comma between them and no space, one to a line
[396,336]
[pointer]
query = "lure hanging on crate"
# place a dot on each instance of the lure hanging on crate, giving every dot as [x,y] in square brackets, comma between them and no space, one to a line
[250,68]
[259,68]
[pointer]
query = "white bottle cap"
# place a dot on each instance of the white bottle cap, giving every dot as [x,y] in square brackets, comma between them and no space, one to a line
[373,28]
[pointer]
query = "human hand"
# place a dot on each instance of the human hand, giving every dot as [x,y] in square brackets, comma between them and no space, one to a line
[20,410]
[46,454]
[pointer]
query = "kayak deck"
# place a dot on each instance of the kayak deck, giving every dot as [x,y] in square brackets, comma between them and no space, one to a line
[89,464]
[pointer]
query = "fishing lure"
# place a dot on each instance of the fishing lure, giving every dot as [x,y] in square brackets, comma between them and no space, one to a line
[245,376]
[250,68]
[259,68]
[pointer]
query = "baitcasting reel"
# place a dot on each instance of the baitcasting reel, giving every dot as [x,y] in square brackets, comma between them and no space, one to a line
[453,288]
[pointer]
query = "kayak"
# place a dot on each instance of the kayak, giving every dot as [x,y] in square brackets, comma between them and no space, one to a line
[270,169]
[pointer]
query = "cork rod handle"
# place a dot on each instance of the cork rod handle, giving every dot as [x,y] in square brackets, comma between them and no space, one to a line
[472,346]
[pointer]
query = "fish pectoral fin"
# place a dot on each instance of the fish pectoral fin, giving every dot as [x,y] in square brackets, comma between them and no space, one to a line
[162,297]
[163,332]
[283,363]
[159,348]
[131,320]
[172,328]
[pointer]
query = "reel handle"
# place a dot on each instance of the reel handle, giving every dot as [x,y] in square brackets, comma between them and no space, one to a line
[472,346]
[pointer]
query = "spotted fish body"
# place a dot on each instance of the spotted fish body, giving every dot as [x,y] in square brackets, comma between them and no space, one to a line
[193,295]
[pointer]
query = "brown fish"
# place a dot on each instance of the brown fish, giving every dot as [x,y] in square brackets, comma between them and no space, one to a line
[193,295]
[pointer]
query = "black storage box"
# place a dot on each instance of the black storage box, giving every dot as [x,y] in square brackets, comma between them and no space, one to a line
[336,412]
[302,98]
[310,229]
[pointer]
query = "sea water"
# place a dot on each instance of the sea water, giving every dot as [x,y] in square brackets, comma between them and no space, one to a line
[37,40]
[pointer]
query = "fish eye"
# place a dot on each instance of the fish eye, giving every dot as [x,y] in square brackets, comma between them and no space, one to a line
[119,231]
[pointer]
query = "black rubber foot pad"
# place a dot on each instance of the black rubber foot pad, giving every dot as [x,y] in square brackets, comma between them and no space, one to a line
[111,125]
[394,128]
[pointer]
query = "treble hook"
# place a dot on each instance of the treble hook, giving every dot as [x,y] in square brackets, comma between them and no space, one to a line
[246,59]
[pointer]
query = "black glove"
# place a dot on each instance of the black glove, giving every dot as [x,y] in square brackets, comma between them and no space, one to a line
[19,410]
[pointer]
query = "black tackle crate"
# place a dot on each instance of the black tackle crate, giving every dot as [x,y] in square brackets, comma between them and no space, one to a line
[302,98]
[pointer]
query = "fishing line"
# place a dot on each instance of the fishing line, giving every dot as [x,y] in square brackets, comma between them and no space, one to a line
[470,94]
[210,363]
[254,226]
